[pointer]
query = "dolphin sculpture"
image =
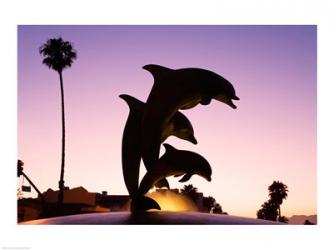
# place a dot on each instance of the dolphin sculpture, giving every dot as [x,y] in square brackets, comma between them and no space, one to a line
[175,162]
[173,90]
[178,126]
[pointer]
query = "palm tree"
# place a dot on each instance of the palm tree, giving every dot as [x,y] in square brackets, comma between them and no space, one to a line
[209,203]
[190,191]
[217,209]
[58,55]
[268,211]
[277,193]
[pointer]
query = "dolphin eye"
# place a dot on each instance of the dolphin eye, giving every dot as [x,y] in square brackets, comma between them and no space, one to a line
[205,100]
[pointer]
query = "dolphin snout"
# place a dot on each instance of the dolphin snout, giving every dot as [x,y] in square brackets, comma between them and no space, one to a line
[227,100]
[231,104]
[193,140]
[209,178]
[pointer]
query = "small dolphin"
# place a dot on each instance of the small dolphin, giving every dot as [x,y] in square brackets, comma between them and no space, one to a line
[176,162]
[174,90]
[178,126]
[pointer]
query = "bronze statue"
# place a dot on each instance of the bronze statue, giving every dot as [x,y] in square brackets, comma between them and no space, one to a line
[150,123]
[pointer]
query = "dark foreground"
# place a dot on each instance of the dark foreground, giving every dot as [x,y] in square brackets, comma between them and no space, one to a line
[149,218]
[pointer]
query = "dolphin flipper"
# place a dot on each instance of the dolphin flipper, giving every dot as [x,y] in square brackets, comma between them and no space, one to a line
[186,177]
[162,183]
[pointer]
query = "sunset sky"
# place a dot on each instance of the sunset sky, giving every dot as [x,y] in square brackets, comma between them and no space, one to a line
[270,136]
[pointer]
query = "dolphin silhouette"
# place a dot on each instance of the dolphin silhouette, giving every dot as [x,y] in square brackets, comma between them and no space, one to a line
[173,90]
[178,126]
[176,162]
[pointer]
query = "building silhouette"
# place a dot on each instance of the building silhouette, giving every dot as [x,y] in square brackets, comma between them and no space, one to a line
[78,200]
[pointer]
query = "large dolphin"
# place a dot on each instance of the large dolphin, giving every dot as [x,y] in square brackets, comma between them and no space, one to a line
[175,162]
[178,126]
[173,90]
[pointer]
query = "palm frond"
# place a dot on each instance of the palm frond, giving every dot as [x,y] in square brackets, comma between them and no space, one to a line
[58,54]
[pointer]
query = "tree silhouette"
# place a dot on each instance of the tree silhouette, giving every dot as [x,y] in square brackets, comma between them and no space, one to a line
[268,211]
[58,55]
[190,191]
[277,193]
[209,202]
[271,209]
[217,209]
[307,222]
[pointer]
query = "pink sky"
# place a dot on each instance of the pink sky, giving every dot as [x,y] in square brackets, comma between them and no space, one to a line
[271,136]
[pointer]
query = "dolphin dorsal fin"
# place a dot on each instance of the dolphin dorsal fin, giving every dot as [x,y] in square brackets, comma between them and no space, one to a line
[157,71]
[169,148]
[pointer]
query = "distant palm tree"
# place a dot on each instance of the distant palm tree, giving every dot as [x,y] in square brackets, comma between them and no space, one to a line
[217,209]
[209,203]
[268,211]
[261,214]
[58,55]
[187,189]
[277,193]
[190,191]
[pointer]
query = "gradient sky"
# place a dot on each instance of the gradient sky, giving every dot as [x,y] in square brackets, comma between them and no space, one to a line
[271,136]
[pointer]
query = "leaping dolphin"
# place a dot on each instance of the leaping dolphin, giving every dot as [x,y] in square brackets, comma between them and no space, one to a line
[173,90]
[179,126]
[176,162]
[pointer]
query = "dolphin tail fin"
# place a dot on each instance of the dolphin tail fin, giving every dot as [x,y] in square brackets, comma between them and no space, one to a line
[157,71]
[144,203]
[162,183]
[132,102]
[169,148]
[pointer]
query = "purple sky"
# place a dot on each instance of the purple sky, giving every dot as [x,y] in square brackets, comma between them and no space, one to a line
[271,136]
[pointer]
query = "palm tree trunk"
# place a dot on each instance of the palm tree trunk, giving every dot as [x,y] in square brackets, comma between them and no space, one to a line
[61,181]
[279,213]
